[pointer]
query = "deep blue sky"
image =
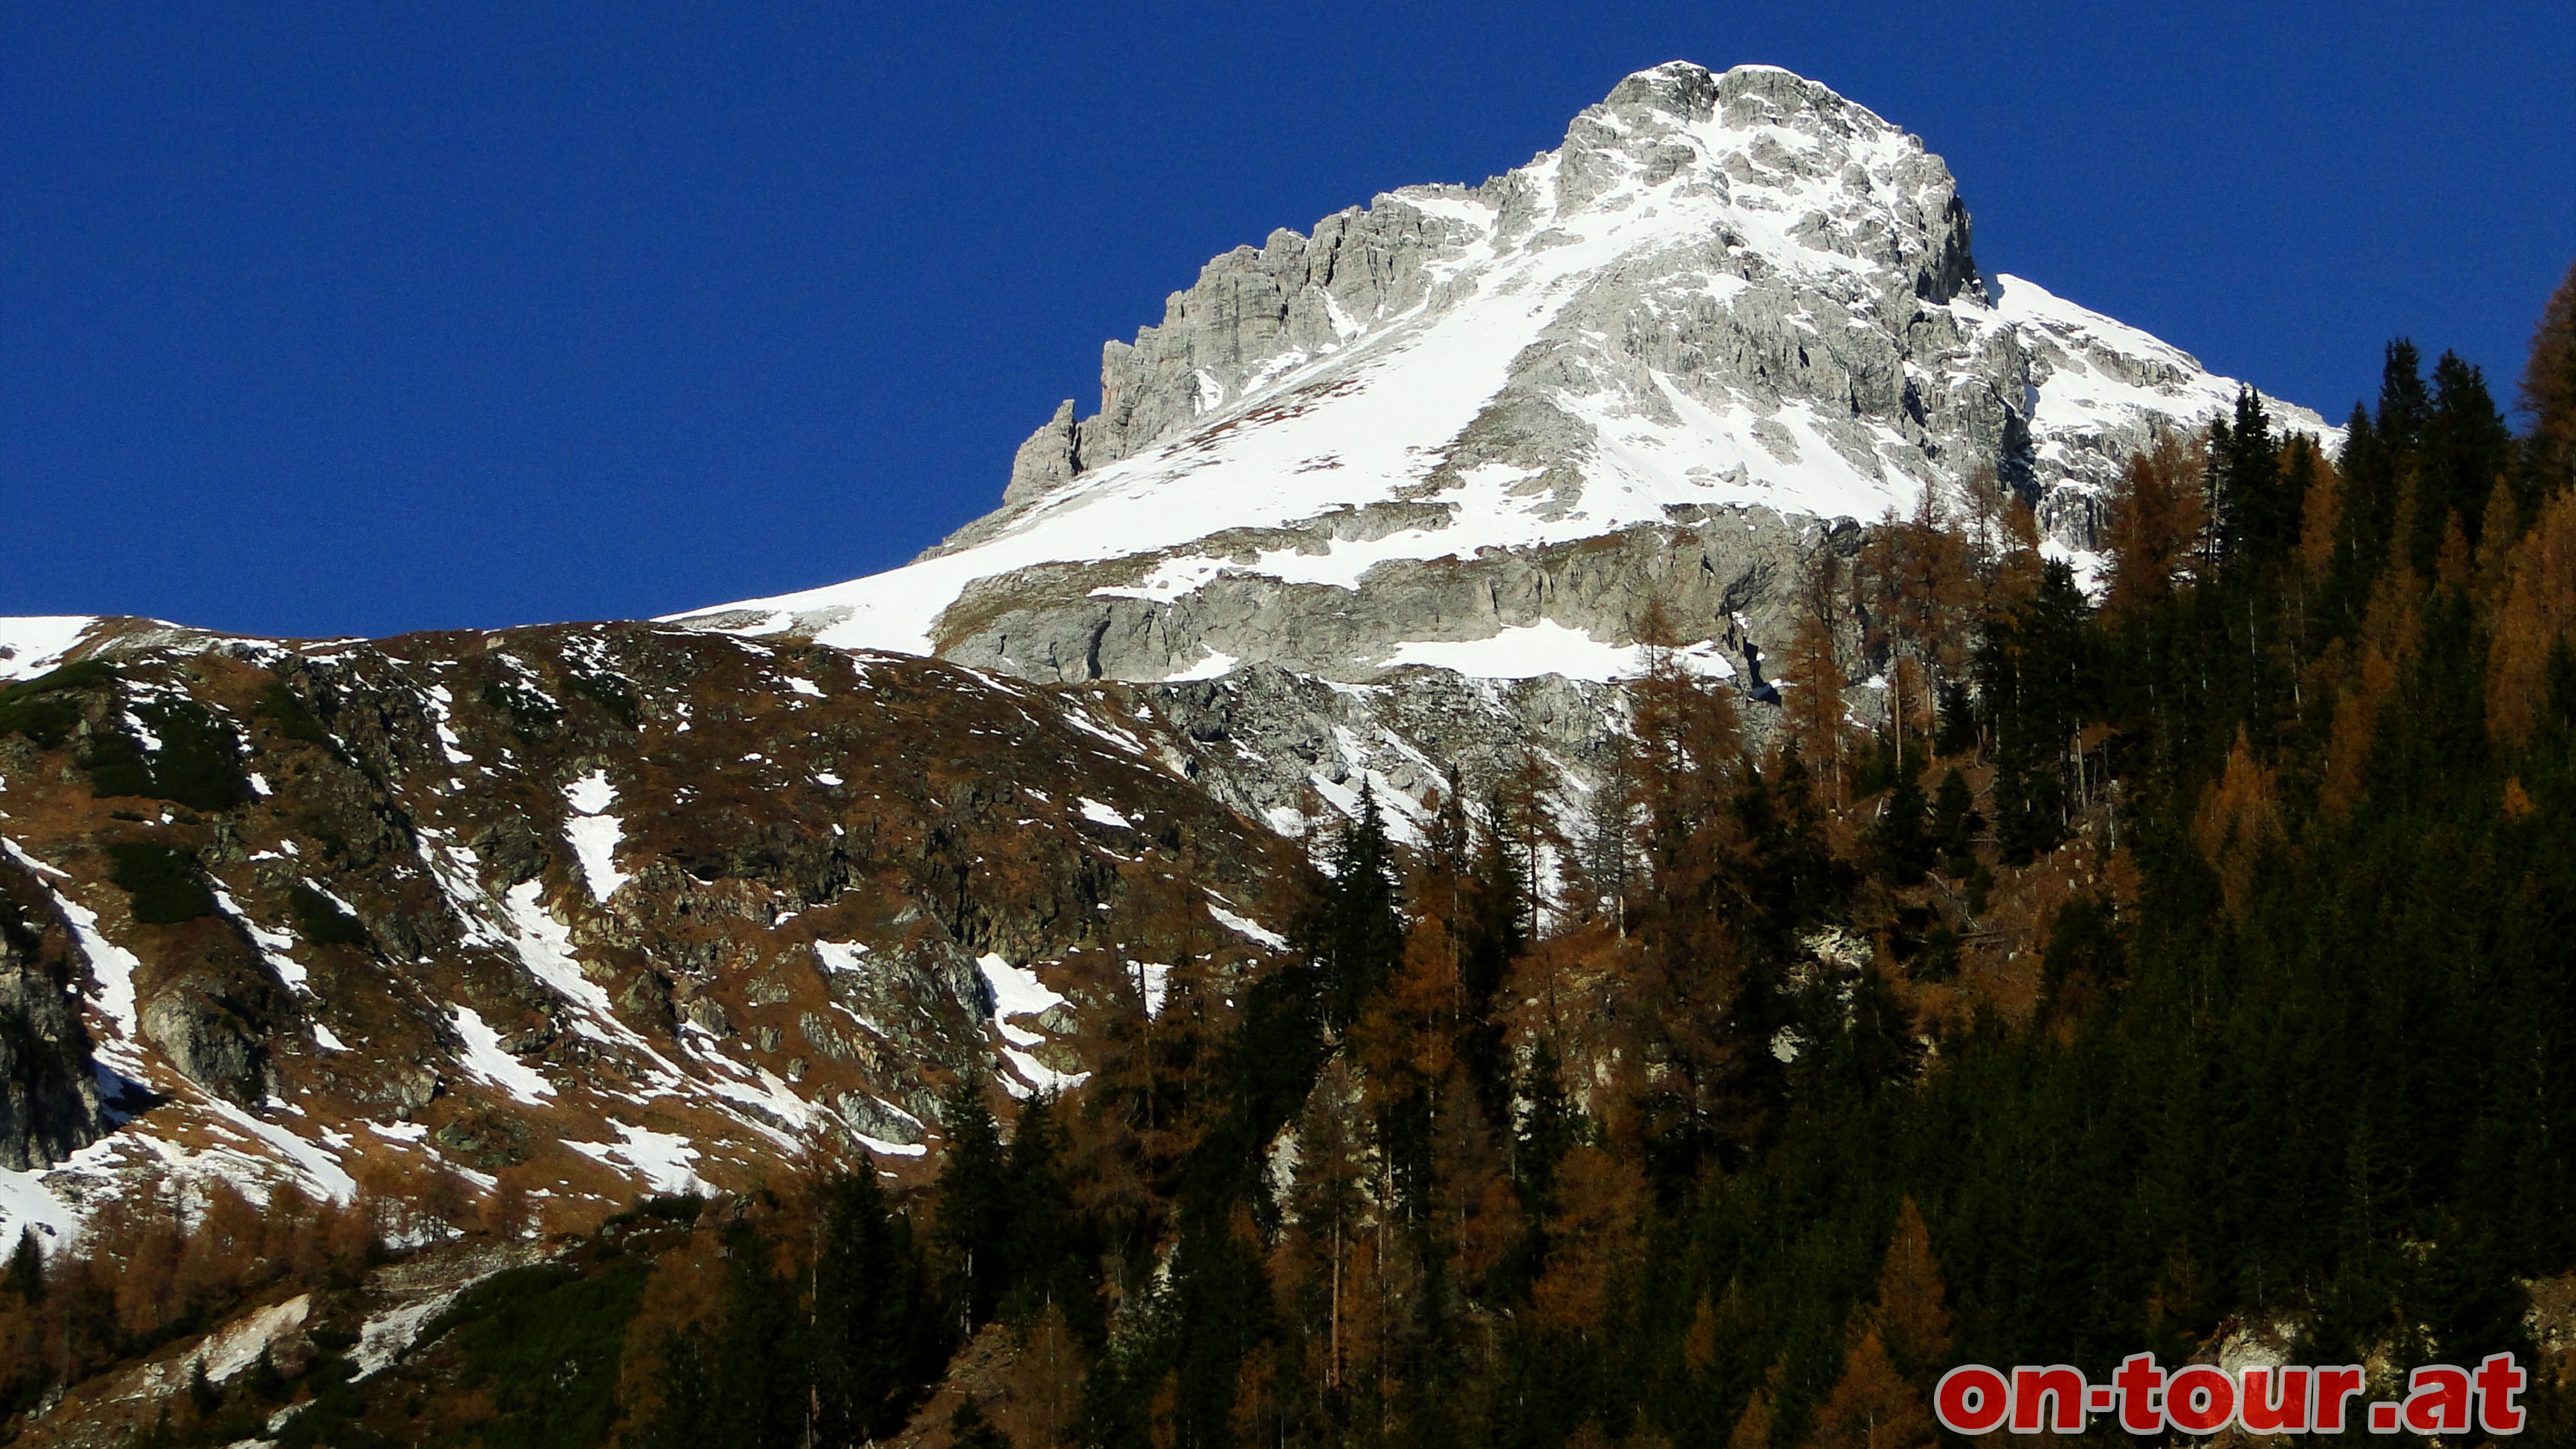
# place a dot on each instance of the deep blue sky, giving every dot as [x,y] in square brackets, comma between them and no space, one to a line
[353,319]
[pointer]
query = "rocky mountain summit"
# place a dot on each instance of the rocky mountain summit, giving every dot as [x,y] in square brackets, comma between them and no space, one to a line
[1729,309]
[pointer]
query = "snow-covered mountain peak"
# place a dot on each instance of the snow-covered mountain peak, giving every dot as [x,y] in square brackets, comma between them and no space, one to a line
[1724,111]
[1787,168]
[1727,302]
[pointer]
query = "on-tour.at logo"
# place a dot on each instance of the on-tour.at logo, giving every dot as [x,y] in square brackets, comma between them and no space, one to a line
[2203,1399]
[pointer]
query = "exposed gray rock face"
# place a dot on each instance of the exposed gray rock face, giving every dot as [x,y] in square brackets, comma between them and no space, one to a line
[49,1101]
[1647,363]
[870,1117]
[1296,297]
[211,1044]
[1251,307]
[1721,574]
[1048,460]
[1290,749]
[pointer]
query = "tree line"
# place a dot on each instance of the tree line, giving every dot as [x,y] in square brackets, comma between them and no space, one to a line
[2170,959]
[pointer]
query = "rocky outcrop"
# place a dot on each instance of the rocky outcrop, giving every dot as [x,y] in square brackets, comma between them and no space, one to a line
[1293,296]
[210,1042]
[1047,461]
[1721,575]
[1255,312]
[49,1100]
[1294,751]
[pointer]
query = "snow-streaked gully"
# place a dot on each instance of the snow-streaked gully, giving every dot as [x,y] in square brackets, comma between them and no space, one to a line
[2206,1399]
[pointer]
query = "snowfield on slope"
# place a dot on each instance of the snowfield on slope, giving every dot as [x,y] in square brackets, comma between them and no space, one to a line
[31,645]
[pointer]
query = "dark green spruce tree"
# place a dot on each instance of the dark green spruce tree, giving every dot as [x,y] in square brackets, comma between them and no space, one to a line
[976,1211]
[874,1335]
[1357,934]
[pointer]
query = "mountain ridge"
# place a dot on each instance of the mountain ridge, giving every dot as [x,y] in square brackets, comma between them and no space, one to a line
[1733,293]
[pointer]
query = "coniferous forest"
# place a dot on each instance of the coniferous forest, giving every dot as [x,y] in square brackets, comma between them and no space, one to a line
[2179,959]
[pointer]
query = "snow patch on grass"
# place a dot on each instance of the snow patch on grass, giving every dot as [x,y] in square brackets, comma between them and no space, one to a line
[441,707]
[273,945]
[660,1158]
[545,947]
[1153,982]
[1247,928]
[485,1058]
[591,794]
[594,841]
[1018,992]
[840,955]
[594,833]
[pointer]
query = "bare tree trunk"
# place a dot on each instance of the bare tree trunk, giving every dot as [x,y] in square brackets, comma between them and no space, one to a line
[1333,1370]
[1896,701]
